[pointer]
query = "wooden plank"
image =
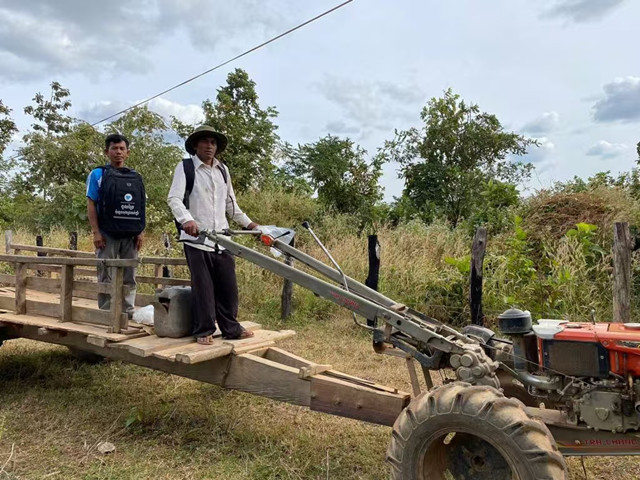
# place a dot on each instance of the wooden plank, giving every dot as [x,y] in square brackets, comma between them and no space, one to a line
[88,286]
[79,314]
[170,353]
[54,251]
[9,279]
[286,358]
[313,369]
[54,324]
[21,289]
[202,353]
[163,280]
[621,272]
[111,262]
[340,397]
[51,285]
[261,339]
[163,261]
[145,346]
[85,272]
[253,374]
[117,278]
[66,293]
[43,268]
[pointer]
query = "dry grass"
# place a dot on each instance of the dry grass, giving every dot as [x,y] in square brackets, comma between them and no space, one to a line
[54,410]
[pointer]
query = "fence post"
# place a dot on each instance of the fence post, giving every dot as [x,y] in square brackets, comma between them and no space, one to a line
[21,288]
[621,272]
[373,247]
[39,243]
[287,288]
[73,241]
[475,282]
[8,238]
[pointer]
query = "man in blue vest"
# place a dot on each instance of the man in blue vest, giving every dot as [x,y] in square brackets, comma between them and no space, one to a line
[113,243]
[201,198]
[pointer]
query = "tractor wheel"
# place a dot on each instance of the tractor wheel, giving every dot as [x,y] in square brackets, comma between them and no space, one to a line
[459,431]
[84,356]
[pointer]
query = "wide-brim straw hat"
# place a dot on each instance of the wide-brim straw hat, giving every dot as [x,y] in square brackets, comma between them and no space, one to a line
[201,132]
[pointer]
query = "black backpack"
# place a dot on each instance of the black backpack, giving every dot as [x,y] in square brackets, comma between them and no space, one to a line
[190,177]
[122,203]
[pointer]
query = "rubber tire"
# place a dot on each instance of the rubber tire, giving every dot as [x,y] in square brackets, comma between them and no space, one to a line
[86,357]
[479,412]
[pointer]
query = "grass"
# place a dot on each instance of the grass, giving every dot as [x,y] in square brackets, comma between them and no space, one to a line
[54,410]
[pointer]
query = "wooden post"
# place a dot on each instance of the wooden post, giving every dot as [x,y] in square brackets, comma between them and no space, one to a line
[287,288]
[117,278]
[621,272]
[374,268]
[21,288]
[66,292]
[475,285]
[73,241]
[39,243]
[8,238]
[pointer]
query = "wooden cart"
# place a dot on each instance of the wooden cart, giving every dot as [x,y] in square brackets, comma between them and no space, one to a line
[62,310]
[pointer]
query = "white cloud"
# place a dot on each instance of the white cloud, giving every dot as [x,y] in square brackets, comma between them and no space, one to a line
[339,127]
[369,105]
[621,101]
[190,114]
[606,150]
[544,124]
[40,38]
[537,154]
[581,10]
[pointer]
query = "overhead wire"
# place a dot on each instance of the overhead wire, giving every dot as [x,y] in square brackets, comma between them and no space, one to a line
[220,65]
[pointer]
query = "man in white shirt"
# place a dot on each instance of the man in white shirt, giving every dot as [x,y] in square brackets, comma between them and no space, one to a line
[214,289]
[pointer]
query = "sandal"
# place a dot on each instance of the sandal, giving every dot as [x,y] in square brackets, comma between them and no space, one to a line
[208,340]
[243,334]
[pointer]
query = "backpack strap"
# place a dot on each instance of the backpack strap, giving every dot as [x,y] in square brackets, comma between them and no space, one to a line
[190,176]
[223,171]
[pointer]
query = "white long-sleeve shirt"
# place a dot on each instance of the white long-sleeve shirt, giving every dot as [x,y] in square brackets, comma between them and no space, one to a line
[211,199]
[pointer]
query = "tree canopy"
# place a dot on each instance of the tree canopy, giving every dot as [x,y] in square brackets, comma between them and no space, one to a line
[448,162]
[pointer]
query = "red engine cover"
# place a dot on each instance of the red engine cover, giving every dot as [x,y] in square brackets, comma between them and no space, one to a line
[621,340]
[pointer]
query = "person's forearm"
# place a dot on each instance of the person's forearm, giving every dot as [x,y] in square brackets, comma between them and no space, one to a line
[92,215]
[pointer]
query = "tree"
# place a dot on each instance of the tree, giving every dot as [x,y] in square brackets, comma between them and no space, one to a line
[7,127]
[448,162]
[58,149]
[337,171]
[249,128]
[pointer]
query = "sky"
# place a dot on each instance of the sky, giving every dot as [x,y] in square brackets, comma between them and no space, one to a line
[565,72]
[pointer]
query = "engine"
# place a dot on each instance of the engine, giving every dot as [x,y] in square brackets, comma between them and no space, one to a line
[589,370]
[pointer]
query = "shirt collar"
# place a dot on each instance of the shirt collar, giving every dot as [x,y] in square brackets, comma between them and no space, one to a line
[197,163]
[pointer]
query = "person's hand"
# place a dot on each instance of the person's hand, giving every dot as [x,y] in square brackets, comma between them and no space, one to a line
[139,241]
[253,226]
[190,228]
[98,241]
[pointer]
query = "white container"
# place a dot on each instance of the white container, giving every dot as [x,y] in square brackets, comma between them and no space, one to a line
[547,328]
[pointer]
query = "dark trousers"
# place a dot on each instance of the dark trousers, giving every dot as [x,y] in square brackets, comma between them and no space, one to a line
[214,292]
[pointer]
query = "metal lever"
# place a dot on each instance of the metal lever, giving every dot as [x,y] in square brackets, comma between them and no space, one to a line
[306,225]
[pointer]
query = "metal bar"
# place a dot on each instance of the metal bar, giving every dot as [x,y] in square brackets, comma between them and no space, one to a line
[351,301]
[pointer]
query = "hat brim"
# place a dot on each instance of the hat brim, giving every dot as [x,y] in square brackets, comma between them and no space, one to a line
[192,140]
